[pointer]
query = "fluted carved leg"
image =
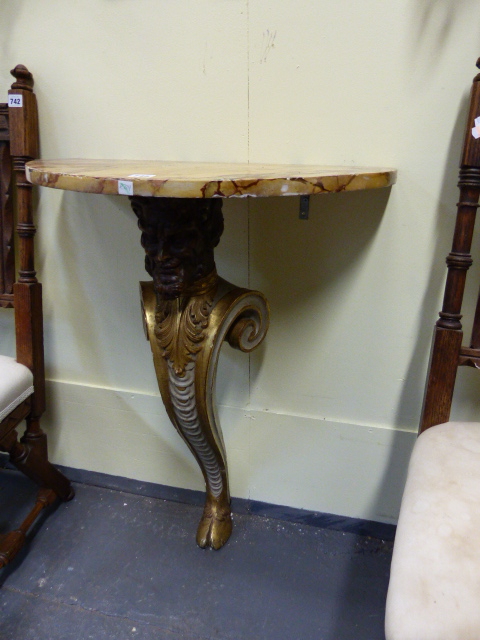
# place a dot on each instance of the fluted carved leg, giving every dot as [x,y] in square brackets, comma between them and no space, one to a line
[189,312]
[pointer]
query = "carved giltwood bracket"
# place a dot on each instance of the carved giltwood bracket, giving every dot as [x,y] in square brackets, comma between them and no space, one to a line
[189,312]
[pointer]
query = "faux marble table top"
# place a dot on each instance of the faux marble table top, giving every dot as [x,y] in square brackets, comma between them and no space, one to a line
[201,179]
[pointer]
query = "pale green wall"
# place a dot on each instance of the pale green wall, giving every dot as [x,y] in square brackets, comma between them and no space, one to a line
[324,414]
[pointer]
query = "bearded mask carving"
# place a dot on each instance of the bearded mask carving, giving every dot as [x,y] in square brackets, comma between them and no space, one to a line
[179,236]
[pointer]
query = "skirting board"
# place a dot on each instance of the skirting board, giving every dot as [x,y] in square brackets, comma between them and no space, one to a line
[239,505]
[306,464]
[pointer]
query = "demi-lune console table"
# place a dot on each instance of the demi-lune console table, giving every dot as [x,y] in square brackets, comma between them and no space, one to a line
[189,310]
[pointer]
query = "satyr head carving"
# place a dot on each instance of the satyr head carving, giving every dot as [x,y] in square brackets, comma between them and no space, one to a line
[179,236]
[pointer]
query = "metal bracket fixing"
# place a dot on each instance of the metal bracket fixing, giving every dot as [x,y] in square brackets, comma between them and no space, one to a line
[304,207]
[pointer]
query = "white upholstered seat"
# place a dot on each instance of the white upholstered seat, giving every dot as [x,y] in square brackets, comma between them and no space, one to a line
[16,384]
[434,591]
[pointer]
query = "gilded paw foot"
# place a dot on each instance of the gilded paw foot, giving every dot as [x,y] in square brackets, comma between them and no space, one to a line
[215,526]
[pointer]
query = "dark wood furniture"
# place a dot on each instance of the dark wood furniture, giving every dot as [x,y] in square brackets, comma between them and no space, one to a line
[447,350]
[434,590]
[22,380]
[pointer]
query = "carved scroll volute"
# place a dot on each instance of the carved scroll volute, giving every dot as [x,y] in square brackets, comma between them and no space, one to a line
[240,317]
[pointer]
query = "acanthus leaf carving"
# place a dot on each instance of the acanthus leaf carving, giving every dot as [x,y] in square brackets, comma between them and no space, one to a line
[181,327]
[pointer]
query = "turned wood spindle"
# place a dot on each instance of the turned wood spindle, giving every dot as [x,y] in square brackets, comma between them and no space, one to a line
[448,334]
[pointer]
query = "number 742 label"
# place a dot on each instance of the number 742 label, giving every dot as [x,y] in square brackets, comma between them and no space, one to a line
[15,100]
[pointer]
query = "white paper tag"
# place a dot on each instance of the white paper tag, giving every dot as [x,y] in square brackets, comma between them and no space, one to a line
[125,188]
[476,129]
[142,175]
[15,100]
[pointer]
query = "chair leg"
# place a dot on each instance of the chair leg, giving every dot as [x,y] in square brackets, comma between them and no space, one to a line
[31,458]
[13,541]
[442,372]
[35,439]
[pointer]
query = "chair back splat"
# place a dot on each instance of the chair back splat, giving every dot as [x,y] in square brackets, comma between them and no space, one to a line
[447,350]
[22,380]
[7,257]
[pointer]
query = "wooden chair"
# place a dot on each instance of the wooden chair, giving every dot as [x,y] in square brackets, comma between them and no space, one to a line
[22,380]
[434,590]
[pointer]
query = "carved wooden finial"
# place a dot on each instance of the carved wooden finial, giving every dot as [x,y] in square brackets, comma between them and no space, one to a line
[24,79]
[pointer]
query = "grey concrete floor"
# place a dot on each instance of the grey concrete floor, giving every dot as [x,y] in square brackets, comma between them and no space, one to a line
[114,565]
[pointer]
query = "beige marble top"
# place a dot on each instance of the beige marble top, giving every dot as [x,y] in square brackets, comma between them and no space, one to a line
[201,179]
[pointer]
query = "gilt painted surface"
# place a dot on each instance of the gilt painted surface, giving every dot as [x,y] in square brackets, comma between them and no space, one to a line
[203,180]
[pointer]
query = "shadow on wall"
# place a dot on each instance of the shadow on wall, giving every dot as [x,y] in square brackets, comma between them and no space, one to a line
[76,307]
[437,18]
[321,250]
[94,273]
[306,269]
[412,393]
[390,489]
[433,23]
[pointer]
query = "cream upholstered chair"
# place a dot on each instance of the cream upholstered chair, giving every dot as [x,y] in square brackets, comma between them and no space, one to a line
[434,590]
[22,380]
